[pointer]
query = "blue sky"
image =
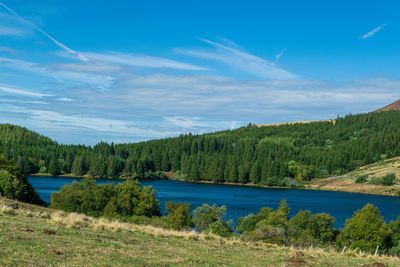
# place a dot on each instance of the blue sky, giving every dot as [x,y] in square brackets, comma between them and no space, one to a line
[126,71]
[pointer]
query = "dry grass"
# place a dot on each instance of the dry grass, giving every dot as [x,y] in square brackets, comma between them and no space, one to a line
[295,122]
[378,169]
[346,183]
[35,236]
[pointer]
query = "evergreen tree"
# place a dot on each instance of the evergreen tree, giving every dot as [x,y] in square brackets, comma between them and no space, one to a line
[77,166]
[53,168]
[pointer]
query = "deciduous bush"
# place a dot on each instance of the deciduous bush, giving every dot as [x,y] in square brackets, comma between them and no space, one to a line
[178,215]
[306,229]
[248,223]
[361,179]
[221,228]
[123,200]
[388,179]
[365,231]
[206,215]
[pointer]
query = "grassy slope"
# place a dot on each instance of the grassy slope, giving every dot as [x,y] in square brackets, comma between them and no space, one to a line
[347,182]
[26,239]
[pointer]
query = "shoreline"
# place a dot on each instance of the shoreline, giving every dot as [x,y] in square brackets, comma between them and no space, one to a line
[364,189]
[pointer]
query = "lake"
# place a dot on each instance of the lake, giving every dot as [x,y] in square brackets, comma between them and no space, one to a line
[243,200]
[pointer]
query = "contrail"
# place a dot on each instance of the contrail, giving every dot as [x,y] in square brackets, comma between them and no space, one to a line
[372,33]
[69,50]
[280,54]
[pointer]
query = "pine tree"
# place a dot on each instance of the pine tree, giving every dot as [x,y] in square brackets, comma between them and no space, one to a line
[53,168]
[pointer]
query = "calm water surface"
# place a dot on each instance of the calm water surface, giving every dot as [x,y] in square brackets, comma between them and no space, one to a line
[242,200]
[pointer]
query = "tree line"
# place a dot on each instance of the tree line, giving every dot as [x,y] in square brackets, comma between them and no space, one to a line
[271,155]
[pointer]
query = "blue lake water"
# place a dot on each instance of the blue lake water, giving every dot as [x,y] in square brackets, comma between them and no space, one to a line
[243,200]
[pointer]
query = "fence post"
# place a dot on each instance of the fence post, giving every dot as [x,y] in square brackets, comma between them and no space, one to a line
[376,251]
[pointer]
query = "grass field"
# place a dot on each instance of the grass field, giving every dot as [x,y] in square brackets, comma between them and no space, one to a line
[379,169]
[347,182]
[35,236]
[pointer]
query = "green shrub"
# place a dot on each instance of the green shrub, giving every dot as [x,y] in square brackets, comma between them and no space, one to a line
[178,215]
[361,179]
[221,228]
[205,215]
[85,197]
[395,250]
[305,229]
[123,200]
[386,180]
[248,223]
[268,233]
[365,231]
[389,179]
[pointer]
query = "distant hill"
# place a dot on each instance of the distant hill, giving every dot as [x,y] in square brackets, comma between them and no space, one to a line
[295,122]
[393,106]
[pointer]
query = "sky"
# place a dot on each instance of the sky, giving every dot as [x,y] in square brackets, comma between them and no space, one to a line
[81,72]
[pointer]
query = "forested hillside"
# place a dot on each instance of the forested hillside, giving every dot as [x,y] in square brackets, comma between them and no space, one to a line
[272,155]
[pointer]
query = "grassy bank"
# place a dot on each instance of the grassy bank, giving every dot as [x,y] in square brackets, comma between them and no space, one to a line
[32,235]
[347,183]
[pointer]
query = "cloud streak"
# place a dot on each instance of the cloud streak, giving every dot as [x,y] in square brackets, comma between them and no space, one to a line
[10,90]
[141,61]
[278,56]
[69,50]
[373,32]
[97,80]
[242,61]
[12,31]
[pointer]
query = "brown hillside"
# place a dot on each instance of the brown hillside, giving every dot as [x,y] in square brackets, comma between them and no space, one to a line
[295,122]
[393,106]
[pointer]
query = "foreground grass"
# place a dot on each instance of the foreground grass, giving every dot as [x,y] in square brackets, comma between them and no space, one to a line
[35,236]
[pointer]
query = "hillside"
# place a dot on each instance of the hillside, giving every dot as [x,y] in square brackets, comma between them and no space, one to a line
[347,182]
[294,122]
[32,235]
[393,106]
[283,155]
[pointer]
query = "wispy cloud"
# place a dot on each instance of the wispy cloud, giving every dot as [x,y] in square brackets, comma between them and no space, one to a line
[10,90]
[373,32]
[187,123]
[69,50]
[141,61]
[64,99]
[9,50]
[278,56]
[98,80]
[12,31]
[241,60]
[24,102]
[48,118]
[94,67]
